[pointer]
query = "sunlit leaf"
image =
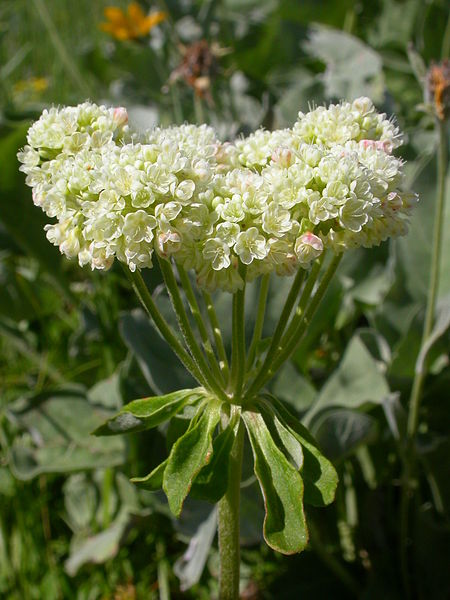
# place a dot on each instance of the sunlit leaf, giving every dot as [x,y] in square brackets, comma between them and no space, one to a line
[147,413]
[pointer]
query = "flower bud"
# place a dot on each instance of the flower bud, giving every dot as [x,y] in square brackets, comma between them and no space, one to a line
[308,247]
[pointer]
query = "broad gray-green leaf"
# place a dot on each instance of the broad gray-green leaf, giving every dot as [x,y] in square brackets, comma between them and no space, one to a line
[148,412]
[415,248]
[290,385]
[57,436]
[160,366]
[80,500]
[352,68]
[189,567]
[154,480]
[342,431]
[189,454]
[282,487]
[212,481]
[97,548]
[319,475]
[357,381]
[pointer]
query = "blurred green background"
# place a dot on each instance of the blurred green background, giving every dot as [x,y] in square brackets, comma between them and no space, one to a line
[73,346]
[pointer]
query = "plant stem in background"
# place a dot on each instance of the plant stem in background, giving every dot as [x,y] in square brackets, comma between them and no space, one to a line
[228,524]
[422,366]
[419,377]
[71,68]
[163,571]
[107,488]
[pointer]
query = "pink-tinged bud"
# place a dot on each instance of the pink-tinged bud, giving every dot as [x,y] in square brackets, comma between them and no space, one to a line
[308,247]
[282,156]
[120,115]
[168,242]
[384,145]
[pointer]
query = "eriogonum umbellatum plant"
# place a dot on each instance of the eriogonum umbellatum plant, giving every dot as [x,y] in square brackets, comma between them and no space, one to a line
[281,203]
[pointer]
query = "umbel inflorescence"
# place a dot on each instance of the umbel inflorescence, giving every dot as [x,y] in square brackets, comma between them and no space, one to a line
[272,201]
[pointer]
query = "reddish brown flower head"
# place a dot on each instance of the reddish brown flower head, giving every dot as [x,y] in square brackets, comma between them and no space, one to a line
[438,88]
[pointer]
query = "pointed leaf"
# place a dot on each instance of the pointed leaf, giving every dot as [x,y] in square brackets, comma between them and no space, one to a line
[148,412]
[154,480]
[319,475]
[282,487]
[212,481]
[189,454]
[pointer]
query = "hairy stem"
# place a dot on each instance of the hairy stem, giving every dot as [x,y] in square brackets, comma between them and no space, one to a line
[228,517]
[224,366]
[299,323]
[162,326]
[267,366]
[196,313]
[186,329]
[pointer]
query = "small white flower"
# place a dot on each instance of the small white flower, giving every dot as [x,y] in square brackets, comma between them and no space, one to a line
[250,245]
[217,252]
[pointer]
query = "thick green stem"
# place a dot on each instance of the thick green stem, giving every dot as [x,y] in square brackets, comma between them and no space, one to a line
[228,517]
[422,366]
[186,329]
[196,313]
[238,340]
[162,326]
[259,323]
[217,333]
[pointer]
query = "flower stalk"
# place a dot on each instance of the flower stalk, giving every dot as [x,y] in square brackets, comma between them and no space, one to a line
[421,370]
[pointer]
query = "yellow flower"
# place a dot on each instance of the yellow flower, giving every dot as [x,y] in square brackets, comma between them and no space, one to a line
[33,85]
[132,24]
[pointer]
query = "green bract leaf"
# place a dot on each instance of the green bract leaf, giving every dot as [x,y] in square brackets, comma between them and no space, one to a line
[319,475]
[189,454]
[212,481]
[149,412]
[282,487]
[154,480]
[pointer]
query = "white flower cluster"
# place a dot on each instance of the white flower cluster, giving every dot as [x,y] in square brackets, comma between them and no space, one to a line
[273,201]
